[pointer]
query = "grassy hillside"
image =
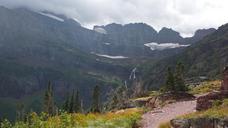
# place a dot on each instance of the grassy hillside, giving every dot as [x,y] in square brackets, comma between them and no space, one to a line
[205,87]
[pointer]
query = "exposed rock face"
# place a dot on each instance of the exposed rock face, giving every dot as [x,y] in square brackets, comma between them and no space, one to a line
[200,123]
[180,123]
[225,79]
[205,102]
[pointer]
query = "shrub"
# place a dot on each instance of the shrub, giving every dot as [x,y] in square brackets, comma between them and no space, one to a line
[165,125]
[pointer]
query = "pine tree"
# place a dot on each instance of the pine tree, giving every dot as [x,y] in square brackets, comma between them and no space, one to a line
[77,106]
[96,100]
[118,98]
[112,100]
[20,115]
[66,105]
[82,107]
[122,95]
[170,83]
[179,78]
[48,100]
[114,103]
[72,103]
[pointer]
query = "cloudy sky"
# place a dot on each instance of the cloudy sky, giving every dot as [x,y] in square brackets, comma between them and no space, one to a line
[184,16]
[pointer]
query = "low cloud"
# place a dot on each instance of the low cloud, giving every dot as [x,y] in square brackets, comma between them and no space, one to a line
[184,16]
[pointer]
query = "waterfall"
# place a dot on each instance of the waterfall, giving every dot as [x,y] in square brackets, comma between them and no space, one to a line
[133,74]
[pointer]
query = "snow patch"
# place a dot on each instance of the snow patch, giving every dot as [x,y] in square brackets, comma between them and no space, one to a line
[100,30]
[52,16]
[162,46]
[107,43]
[76,20]
[111,57]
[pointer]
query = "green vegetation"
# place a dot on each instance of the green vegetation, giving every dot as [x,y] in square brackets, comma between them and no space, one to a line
[73,104]
[96,106]
[165,125]
[120,119]
[49,106]
[175,81]
[71,116]
[206,87]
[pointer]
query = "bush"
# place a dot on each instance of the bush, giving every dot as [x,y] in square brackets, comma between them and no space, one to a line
[216,103]
[165,125]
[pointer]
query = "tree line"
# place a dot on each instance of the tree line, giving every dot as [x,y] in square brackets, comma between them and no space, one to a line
[72,104]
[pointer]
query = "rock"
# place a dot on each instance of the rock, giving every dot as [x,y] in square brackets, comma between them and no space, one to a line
[203,123]
[180,123]
[199,123]
[205,102]
[223,123]
[224,86]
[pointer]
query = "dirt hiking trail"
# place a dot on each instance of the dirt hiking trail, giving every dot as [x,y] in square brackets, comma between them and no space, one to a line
[153,118]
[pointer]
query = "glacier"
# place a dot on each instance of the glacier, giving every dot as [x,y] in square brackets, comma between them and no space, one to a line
[111,57]
[162,46]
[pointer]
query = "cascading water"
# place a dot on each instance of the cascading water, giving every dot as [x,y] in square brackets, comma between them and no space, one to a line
[133,74]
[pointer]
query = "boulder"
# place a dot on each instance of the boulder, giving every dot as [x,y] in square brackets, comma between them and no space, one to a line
[205,102]
[199,123]
[180,123]
[224,86]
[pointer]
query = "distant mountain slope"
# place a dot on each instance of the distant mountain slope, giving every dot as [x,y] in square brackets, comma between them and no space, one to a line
[199,34]
[204,58]
[36,47]
[129,39]
[42,44]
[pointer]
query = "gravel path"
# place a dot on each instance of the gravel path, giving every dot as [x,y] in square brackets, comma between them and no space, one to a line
[153,118]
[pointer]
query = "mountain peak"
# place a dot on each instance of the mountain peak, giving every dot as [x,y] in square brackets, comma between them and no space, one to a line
[204,32]
[166,30]
[167,35]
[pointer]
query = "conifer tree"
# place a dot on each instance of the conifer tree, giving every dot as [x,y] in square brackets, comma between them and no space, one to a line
[96,100]
[82,107]
[48,100]
[77,105]
[170,83]
[179,78]
[20,115]
[72,103]
[122,95]
[66,105]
